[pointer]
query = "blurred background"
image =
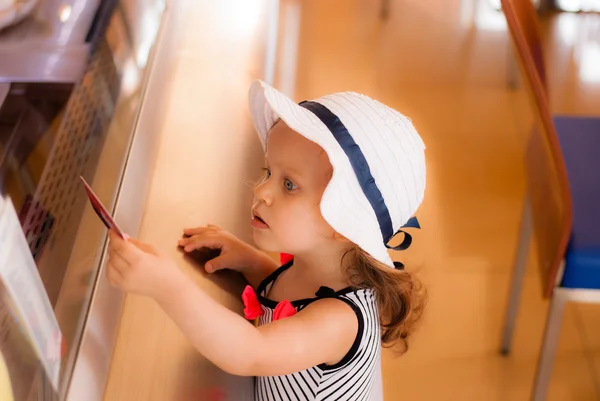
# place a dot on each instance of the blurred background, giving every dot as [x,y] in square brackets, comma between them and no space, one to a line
[147,101]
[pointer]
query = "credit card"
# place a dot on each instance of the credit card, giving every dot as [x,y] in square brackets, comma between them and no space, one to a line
[101,211]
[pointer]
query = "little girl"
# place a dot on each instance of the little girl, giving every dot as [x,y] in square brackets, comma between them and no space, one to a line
[343,174]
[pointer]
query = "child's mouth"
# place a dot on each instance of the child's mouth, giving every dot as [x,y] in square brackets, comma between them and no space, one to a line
[258,222]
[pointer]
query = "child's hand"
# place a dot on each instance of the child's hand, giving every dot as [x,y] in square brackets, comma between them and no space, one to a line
[235,253]
[136,267]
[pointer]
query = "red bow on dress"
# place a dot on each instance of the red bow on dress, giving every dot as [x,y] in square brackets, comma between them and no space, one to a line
[252,308]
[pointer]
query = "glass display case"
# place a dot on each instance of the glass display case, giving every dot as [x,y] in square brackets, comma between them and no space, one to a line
[72,76]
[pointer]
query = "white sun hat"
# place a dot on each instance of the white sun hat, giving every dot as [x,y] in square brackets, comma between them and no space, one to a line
[378,161]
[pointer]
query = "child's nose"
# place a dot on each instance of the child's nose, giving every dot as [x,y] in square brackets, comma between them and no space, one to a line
[264,193]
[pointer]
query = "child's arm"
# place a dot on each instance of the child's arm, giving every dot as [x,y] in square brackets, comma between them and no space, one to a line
[323,332]
[235,253]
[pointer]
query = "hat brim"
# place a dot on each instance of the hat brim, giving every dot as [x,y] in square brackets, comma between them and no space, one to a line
[343,205]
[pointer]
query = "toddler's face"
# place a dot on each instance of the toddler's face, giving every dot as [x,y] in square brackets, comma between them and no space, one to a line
[286,213]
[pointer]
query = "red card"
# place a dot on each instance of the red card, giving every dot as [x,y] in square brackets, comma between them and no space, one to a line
[101,211]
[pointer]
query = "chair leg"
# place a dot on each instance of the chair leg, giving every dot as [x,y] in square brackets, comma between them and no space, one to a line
[513,70]
[385,9]
[549,344]
[518,273]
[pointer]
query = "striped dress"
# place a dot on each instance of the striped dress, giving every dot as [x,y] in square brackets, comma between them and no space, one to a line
[356,377]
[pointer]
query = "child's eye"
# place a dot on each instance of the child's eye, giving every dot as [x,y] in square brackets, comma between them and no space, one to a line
[266,172]
[290,186]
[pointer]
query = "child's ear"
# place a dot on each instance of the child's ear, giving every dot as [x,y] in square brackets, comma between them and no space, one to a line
[339,237]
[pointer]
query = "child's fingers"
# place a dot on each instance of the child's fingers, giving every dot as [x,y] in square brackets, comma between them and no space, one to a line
[184,241]
[113,275]
[128,250]
[194,235]
[116,242]
[218,263]
[198,242]
[117,262]
[195,230]
[200,230]
[113,236]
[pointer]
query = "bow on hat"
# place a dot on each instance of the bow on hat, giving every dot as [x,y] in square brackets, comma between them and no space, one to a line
[406,242]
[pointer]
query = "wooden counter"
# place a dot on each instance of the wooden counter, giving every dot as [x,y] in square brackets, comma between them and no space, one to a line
[208,156]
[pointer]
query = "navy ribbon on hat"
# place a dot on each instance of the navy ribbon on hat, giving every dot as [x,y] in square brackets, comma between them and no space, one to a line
[407,241]
[363,174]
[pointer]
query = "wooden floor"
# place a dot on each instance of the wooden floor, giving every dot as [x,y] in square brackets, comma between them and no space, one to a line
[444,64]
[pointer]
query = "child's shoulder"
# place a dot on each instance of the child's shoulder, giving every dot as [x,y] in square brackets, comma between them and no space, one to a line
[360,295]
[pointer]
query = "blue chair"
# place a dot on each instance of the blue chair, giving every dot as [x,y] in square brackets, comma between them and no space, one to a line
[562,201]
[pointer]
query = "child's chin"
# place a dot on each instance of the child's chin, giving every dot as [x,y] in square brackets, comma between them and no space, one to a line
[265,243]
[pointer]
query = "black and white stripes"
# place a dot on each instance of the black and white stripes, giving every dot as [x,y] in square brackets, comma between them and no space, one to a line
[352,379]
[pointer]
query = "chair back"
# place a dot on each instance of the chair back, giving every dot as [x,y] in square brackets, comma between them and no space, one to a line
[547,182]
